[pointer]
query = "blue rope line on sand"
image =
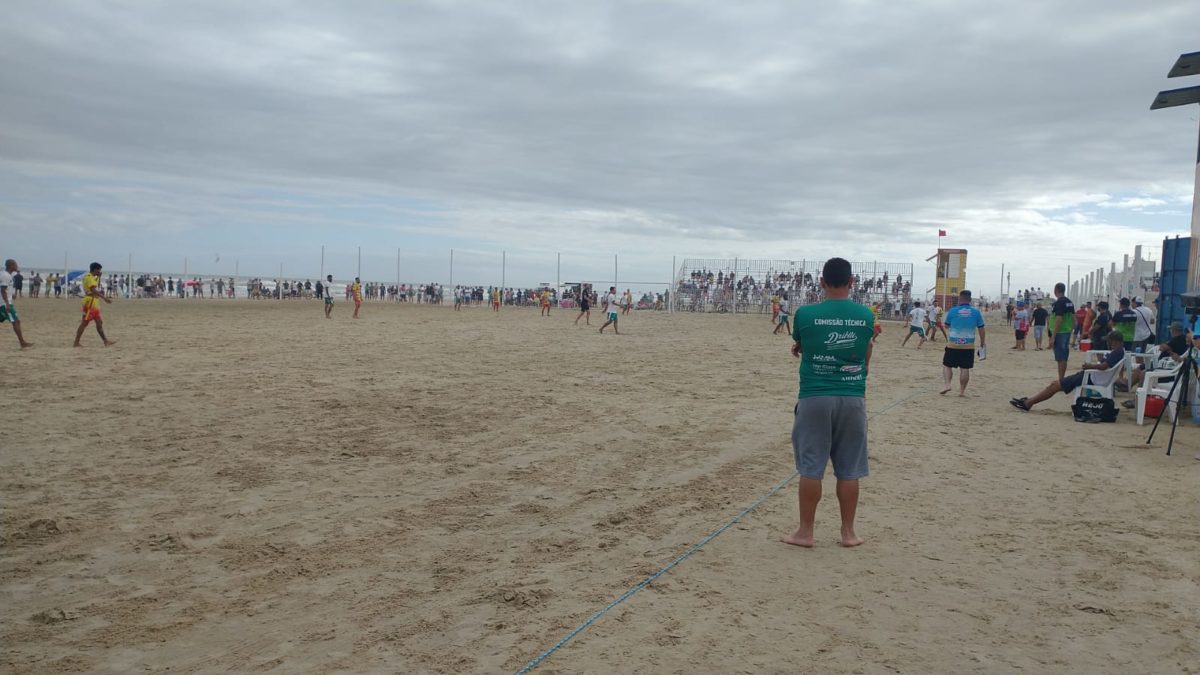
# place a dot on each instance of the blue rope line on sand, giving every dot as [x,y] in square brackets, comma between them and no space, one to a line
[684,556]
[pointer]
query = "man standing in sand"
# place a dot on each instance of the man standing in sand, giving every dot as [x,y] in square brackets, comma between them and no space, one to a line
[545,302]
[92,295]
[328,296]
[356,294]
[1061,326]
[964,321]
[833,341]
[612,309]
[7,311]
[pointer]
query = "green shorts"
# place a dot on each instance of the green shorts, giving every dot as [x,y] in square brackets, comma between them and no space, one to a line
[612,316]
[918,331]
[8,313]
[328,300]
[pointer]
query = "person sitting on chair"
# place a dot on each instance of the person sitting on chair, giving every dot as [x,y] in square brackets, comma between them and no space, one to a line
[1170,353]
[1068,384]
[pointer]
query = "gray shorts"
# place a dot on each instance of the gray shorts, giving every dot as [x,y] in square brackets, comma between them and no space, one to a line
[831,428]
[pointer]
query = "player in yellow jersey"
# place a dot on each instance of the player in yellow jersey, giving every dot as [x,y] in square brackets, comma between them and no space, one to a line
[495,299]
[93,293]
[546,302]
[356,292]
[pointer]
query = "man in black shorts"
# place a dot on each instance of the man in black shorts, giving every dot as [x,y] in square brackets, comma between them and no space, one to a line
[585,308]
[963,320]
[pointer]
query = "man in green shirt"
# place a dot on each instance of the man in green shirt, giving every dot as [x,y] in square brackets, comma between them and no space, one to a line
[833,341]
[1125,323]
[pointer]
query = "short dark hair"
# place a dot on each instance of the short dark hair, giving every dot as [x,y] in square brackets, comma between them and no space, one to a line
[1103,304]
[1124,301]
[836,273]
[964,295]
[1115,337]
[1060,287]
[95,266]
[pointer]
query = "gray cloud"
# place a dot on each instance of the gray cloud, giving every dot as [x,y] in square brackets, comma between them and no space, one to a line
[769,129]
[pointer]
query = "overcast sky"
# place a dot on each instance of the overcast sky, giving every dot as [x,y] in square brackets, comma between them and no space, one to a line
[259,131]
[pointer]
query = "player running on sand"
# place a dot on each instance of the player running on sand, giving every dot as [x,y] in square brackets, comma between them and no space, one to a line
[916,324]
[783,322]
[93,293]
[935,322]
[7,311]
[585,309]
[613,310]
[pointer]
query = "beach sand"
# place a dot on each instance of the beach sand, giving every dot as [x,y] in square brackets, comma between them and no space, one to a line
[246,486]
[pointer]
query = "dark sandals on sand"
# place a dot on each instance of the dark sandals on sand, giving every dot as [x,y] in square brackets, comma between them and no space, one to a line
[1020,404]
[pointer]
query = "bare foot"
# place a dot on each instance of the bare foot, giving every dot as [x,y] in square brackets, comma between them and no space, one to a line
[944,391]
[109,343]
[77,346]
[26,345]
[795,539]
[850,540]
[962,394]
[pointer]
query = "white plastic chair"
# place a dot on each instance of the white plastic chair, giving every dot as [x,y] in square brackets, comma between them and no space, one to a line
[1102,381]
[1154,385]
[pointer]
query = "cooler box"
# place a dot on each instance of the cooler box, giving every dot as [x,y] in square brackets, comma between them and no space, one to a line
[1155,405]
[1085,345]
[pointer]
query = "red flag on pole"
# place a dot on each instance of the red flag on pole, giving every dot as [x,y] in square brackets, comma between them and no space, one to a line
[941,233]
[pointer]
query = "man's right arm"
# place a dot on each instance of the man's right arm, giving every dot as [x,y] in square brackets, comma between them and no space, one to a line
[4,296]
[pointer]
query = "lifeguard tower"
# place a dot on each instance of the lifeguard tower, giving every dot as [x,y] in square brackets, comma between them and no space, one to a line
[951,276]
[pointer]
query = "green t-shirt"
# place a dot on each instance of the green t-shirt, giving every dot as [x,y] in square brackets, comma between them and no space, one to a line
[1125,323]
[835,336]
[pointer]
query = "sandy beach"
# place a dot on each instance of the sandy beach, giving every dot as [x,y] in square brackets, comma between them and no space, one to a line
[246,486]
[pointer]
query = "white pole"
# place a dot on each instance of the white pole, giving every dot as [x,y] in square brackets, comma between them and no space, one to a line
[279,282]
[322,279]
[503,270]
[397,270]
[614,270]
[359,263]
[451,268]
[66,271]
[557,273]
[129,280]
[671,288]
[236,263]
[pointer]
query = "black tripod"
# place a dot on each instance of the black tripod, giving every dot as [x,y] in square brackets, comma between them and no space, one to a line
[1186,370]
